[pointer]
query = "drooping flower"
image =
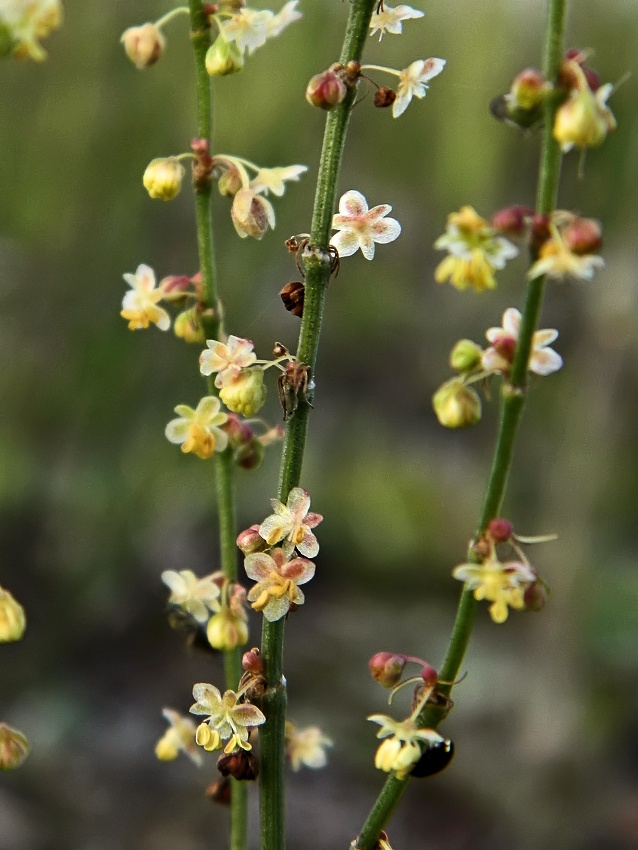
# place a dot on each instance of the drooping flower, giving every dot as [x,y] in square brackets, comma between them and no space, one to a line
[360,227]
[27,23]
[277,580]
[12,617]
[474,251]
[226,359]
[197,596]
[403,743]
[252,214]
[584,119]
[143,45]
[558,260]
[502,584]
[228,719]
[306,747]
[412,82]
[178,738]
[274,179]
[388,19]
[198,430]
[292,523]
[499,356]
[139,306]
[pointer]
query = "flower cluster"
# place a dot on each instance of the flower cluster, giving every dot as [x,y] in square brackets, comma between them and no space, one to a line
[475,250]
[456,403]
[24,25]
[276,569]
[230,719]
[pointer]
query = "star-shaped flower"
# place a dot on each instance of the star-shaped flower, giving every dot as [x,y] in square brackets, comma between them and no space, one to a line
[248,28]
[197,596]
[475,251]
[292,523]
[227,717]
[360,227]
[502,584]
[198,430]
[178,738]
[277,579]
[388,19]
[412,82]
[499,356]
[273,179]
[227,359]
[306,746]
[403,745]
[139,306]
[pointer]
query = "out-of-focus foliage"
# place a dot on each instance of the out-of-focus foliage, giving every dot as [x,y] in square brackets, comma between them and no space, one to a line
[95,503]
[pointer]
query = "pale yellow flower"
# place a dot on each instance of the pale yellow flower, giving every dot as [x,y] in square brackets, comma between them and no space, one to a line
[140,305]
[198,430]
[178,738]
[306,747]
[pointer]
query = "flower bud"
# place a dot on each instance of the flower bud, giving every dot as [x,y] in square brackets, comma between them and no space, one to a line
[529,89]
[249,455]
[384,97]
[251,662]
[326,90]
[246,394]
[511,220]
[584,119]
[250,540]
[583,236]
[535,596]
[143,45]
[12,618]
[226,630]
[163,178]
[456,405]
[387,668]
[252,215]
[500,530]
[223,58]
[187,326]
[240,765]
[429,675]
[14,747]
[465,356]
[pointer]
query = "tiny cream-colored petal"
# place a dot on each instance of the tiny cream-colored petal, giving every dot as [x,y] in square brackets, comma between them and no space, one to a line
[511,322]
[177,430]
[352,203]
[346,242]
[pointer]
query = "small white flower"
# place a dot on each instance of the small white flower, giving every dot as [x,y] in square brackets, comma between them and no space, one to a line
[388,19]
[306,746]
[195,595]
[226,359]
[498,357]
[286,16]
[359,227]
[248,28]
[139,306]
[274,179]
[412,82]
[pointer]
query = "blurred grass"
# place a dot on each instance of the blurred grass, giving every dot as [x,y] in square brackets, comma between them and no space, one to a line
[94,503]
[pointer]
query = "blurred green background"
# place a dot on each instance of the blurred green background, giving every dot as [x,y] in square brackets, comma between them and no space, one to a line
[95,503]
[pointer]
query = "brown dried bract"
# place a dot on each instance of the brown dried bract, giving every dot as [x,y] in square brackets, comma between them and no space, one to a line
[293,384]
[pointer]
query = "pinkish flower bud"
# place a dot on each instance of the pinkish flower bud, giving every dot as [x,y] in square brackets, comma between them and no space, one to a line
[386,668]
[583,236]
[251,662]
[143,45]
[238,431]
[512,220]
[249,455]
[250,540]
[500,530]
[429,675]
[326,90]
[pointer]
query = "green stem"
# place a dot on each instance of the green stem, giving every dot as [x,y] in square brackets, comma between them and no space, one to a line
[317,263]
[512,403]
[212,324]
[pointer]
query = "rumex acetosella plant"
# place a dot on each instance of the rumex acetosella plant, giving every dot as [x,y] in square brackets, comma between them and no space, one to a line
[262,574]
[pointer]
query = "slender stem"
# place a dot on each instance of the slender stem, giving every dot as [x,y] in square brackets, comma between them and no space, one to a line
[317,263]
[212,324]
[180,10]
[512,403]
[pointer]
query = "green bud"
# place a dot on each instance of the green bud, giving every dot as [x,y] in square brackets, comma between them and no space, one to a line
[465,356]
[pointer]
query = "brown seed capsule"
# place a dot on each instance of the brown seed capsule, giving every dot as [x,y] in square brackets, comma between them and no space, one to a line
[384,97]
[293,297]
[241,765]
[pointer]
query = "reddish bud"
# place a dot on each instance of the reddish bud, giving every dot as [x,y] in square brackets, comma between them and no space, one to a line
[512,220]
[575,54]
[326,90]
[250,541]
[251,661]
[238,431]
[539,230]
[429,675]
[583,236]
[249,455]
[384,97]
[386,668]
[500,530]
[535,596]
[528,89]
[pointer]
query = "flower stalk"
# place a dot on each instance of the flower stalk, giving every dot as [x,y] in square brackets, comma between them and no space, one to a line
[212,325]
[317,263]
[513,396]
